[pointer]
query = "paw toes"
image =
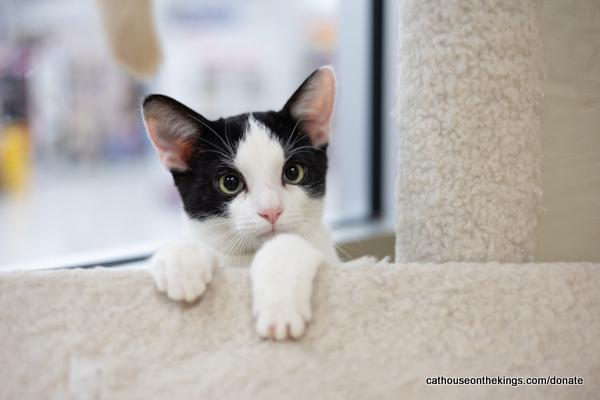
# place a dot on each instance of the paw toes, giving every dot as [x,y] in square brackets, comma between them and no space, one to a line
[288,332]
[193,289]
[275,327]
[206,274]
[190,295]
[280,331]
[296,328]
[174,286]
[182,271]
[175,293]
[272,332]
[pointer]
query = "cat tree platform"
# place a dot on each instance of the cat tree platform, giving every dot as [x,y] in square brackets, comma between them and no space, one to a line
[378,332]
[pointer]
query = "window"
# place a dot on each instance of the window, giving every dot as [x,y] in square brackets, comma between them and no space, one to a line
[77,174]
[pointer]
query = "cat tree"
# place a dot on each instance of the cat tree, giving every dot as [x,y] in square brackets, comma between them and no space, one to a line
[469,161]
[469,150]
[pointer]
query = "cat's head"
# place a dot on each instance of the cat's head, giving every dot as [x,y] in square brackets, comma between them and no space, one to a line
[247,177]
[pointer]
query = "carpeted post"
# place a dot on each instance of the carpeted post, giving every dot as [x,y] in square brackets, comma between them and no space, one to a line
[469,154]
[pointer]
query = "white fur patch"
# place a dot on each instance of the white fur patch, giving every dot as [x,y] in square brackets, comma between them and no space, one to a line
[182,270]
[282,286]
[260,158]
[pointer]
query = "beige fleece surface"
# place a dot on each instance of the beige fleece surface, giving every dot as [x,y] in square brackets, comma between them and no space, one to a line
[469,97]
[378,332]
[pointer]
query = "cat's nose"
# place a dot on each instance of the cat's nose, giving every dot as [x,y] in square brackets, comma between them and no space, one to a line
[271,214]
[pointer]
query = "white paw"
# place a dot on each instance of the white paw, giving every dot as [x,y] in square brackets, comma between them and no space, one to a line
[282,275]
[182,271]
[281,318]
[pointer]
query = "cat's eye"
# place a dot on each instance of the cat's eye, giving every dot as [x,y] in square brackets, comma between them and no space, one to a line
[294,174]
[230,184]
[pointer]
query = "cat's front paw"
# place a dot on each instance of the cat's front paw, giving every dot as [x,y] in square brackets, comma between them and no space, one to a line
[182,271]
[282,275]
[281,319]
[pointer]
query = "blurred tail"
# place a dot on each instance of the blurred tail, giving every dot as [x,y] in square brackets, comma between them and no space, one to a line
[129,27]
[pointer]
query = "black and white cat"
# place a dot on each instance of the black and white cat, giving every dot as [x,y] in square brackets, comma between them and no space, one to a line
[252,186]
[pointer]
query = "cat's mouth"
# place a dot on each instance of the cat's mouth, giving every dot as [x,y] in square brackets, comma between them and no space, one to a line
[274,231]
[267,235]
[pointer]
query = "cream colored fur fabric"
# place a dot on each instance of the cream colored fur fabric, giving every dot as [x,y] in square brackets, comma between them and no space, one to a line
[378,332]
[469,95]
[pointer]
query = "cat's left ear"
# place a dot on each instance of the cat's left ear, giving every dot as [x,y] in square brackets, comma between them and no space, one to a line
[312,104]
[173,129]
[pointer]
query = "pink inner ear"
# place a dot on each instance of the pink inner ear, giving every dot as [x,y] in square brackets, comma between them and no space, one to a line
[173,151]
[315,106]
[318,130]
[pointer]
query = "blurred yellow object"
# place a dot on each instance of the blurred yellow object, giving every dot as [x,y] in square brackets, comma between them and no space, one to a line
[14,157]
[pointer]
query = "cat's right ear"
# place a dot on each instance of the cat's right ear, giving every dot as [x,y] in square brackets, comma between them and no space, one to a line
[312,104]
[172,128]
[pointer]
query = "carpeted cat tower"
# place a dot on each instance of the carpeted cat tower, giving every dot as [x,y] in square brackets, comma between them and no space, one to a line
[469,148]
[469,96]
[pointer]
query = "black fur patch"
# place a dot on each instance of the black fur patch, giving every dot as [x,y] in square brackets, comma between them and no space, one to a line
[214,146]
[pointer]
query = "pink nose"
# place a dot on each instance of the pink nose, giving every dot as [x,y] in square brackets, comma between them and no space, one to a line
[271,214]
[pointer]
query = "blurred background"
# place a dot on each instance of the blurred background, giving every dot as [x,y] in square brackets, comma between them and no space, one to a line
[79,179]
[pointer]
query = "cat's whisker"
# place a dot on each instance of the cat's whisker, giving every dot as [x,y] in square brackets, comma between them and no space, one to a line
[292,151]
[232,246]
[241,244]
[215,231]
[226,234]
[226,248]
[344,252]
[229,144]
[245,243]
[204,123]
[228,147]
[220,237]
[304,149]
[287,143]
[228,245]
[225,156]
